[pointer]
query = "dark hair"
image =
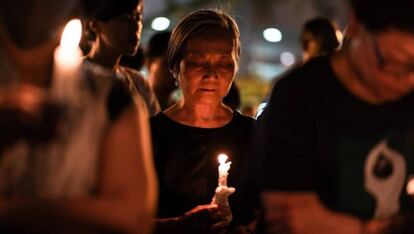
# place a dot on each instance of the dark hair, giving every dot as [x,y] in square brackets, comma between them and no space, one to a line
[323,31]
[379,15]
[158,45]
[193,24]
[104,10]
[232,99]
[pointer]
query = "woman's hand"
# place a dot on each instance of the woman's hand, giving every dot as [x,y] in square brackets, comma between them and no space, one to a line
[207,218]
[291,212]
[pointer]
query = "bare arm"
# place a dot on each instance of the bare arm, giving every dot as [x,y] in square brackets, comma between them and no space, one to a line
[302,212]
[126,198]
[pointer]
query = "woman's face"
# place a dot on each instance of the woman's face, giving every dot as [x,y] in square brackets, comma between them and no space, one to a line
[208,67]
[121,35]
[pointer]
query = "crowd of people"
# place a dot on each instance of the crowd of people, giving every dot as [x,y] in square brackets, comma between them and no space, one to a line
[113,151]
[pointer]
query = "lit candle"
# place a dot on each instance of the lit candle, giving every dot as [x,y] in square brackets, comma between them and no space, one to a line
[223,169]
[410,186]
[67,57]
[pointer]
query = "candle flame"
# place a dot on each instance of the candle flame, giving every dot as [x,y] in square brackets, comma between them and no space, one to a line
[71,35]
[410,186]
[222,158]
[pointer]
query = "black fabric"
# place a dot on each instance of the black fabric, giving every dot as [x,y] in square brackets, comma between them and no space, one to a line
[310,128]
[119,99]
[187,166]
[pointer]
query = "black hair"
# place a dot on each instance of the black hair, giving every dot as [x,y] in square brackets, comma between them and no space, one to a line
[232,99]
[158,45]
[104,10]
[323,31]
[380,15]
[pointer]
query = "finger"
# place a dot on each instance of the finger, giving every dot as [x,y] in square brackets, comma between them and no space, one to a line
[213,208]
[220,225]
[199,208]
[216,216]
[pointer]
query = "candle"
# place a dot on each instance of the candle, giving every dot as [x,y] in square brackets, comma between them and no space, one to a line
[223,169]
[67,58]
[410,186]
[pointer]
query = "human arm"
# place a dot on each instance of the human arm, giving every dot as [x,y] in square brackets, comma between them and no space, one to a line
[303,212]
[201,219]
[125,200]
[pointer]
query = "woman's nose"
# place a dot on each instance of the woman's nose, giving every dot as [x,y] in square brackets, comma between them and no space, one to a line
[210,70]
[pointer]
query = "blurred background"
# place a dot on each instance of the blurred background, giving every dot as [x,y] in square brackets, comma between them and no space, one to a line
[269,31]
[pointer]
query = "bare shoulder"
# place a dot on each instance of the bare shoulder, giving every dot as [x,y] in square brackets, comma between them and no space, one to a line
[136,77]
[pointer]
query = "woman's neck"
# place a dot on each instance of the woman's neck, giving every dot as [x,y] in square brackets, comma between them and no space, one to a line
[200,115]
[103,56]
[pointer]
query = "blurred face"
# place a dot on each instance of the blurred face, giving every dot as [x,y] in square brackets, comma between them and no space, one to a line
[312,49]
[384,62]
[160,76]
[208,67]
[121,34]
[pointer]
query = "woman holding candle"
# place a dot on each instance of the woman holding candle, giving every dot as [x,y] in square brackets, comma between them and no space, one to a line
[89,170]
[203,54]
[116,28]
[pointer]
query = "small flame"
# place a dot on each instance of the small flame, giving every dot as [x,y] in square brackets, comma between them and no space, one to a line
[410,186]
[71,35]
[222,158]
[339,35]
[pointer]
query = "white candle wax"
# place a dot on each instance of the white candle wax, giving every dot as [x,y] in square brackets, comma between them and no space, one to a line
[223,169]
[67,57]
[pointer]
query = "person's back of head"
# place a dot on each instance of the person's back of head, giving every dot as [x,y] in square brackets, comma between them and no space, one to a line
[158,45]
[319,37]
[159,76]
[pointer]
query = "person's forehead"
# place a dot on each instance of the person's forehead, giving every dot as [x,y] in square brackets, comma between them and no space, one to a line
[221,42]
[205,46]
